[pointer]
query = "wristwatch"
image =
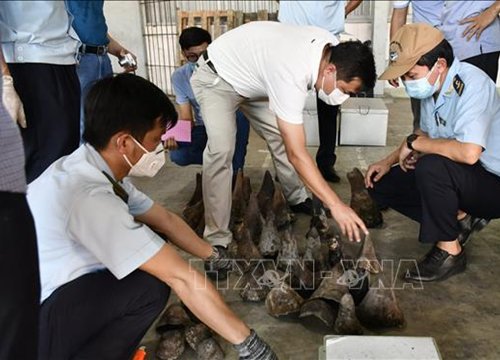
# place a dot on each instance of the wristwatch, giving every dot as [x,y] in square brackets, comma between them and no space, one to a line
[410,139]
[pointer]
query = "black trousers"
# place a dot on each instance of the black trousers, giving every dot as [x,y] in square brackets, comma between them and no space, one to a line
[486,62]
[97,316]
[327,128]
[19,279]
[51,99]
[433,193]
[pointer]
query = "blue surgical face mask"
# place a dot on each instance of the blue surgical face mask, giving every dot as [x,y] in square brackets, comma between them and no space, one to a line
[192,65]
[421,88]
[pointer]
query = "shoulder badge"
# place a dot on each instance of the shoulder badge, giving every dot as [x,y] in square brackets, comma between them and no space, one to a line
[458,85]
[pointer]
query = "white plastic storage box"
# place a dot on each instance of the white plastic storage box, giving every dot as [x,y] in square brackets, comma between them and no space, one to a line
[363,121]
[378,348]
[310,116]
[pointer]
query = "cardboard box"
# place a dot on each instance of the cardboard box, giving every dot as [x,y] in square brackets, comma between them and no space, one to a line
[363,121]
[379,348]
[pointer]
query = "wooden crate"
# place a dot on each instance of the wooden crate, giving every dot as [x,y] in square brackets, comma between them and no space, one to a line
[217,22]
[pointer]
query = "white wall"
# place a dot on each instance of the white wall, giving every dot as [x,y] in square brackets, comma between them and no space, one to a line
[124,24]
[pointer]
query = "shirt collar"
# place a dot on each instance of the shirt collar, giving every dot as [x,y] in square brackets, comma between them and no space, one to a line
[447,88]
[98,160]
[317,56]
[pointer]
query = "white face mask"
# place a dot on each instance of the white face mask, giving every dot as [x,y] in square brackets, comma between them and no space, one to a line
[150,162]
[422,88]
[336,97]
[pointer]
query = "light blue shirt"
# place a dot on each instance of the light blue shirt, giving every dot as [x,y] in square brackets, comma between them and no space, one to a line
[82,226]
[453,13]
[184,92]
[329,15]
[472,117]
[37,32]
[424,11]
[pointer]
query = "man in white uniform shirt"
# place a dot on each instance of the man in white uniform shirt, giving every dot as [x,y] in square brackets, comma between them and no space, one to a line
[265,69]
[105,274]
[448,178]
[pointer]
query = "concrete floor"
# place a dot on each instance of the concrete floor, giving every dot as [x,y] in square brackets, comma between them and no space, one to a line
[462,314]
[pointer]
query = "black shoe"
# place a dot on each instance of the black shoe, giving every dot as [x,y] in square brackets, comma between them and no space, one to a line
[437,265]
[329,174]
[469,226]
[305,207]
[218,269]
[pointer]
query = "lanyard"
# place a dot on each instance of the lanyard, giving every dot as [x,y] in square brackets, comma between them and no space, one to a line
[117,188]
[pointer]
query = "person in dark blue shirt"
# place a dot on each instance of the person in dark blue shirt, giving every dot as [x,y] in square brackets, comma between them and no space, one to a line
[94,64]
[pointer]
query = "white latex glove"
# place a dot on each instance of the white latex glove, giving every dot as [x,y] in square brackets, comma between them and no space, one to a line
[12,102]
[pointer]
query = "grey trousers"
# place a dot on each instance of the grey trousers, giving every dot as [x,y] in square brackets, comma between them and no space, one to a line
[218,102]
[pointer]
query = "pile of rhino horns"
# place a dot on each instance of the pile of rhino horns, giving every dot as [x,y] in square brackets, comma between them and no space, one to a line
[329,282]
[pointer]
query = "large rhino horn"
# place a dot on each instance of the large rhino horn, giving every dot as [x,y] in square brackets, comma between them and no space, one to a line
[361,201]
[265,193]
[367,259]
[253,218]
[198,192]
[380,308]
[247,250]
[347,323]
[280,208]
[194,214]
[283,300]
[238,202]
[320,309]
[270,242]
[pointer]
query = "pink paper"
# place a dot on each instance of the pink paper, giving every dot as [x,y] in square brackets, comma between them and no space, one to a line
[180,132]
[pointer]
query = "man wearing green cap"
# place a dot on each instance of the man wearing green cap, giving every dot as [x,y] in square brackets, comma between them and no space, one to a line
[446,175]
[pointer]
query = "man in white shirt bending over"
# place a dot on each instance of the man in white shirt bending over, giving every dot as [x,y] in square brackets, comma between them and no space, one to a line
[265,69]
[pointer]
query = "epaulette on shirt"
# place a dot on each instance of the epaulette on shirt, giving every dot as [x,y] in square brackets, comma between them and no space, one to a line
[458,85]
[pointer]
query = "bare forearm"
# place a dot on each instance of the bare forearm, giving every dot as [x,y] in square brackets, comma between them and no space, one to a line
[398,19]
[351,6]
[176,230]
[495,7]
[184,237]
[3,64]
[310,175]
[185,112]
[392,158]
[206,303]
[452,149]
[197,293]
[114,47]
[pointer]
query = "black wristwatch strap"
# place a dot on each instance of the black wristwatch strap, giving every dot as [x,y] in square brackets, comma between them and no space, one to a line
[410,139]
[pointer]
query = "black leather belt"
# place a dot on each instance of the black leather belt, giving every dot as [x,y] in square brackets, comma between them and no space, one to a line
[208,62]
[89,49]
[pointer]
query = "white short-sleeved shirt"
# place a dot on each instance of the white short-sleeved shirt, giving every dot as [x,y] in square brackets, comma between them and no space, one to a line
[271,59]
[424,11]
[329,15]
[468,110]
[82,226]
